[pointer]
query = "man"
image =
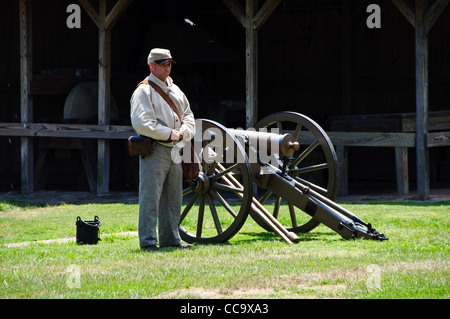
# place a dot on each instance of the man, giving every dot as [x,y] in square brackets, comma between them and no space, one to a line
[160,181]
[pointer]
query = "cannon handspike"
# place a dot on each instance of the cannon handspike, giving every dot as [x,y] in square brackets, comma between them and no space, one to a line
[258,209]
[320,208]
[348,229]
[355,225]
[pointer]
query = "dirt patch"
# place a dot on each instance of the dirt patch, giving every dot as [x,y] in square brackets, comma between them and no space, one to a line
[63,240]
[218,294]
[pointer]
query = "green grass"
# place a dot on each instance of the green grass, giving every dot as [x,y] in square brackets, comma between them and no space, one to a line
[414,263]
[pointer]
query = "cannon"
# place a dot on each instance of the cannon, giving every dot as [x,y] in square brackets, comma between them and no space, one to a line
[287,158]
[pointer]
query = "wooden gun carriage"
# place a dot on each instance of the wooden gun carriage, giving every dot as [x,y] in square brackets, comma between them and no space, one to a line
[287,157]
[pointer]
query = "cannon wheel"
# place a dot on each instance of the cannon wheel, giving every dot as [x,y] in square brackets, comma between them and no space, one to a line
[216,208]
[314,165]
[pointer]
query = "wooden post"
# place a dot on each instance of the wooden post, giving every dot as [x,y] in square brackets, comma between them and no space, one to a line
[251,61]
[105,23]
[251,20]
[422,153]
[342,155]
[346,52]
[104,91]
[401,169]
[422,20]
[26,100]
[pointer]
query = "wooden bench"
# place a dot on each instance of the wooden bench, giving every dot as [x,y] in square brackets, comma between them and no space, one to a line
[385,130]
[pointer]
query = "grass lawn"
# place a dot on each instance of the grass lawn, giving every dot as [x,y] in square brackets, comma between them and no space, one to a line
[414,263]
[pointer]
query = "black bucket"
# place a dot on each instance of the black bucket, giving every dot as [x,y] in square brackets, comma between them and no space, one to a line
[87,231]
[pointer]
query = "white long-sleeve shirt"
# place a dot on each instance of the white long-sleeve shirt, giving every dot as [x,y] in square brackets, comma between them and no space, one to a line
[151,116]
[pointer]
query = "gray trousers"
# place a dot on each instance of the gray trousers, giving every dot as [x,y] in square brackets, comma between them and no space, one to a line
[160,196]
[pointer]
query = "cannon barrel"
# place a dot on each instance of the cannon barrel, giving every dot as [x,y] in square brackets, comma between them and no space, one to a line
[284,144]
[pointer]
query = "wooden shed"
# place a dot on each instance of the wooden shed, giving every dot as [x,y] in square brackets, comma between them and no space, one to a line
[382,90]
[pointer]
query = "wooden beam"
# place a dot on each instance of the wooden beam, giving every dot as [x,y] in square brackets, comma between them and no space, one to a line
[264,13]
[436,139]
[434,12]
[373,139]
[422,152]
[366,139]
[111,18]
[92,13]
[237,10]
[406,9]
[26,100]
[116,12]
[431,15]
[251,58]
[89,131]
[336,14]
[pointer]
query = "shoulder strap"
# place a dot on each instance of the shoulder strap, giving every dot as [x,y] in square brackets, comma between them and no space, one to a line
[163,94]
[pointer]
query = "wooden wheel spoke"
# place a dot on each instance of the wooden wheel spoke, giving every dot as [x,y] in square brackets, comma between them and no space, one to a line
[188,207]
[211,168]
[279,125]
[297,131]
[201,215]
[265,197]
[228,188]
[277,207]
[308,169]
[304,154]
[226,171]
[293,217]
[224,203]
[214,214]
[187,191]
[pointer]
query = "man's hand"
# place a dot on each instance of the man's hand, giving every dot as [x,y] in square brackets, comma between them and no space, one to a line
[175,135]
[184,133]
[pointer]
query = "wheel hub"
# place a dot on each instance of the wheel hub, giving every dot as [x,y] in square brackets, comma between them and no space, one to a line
[201,183]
